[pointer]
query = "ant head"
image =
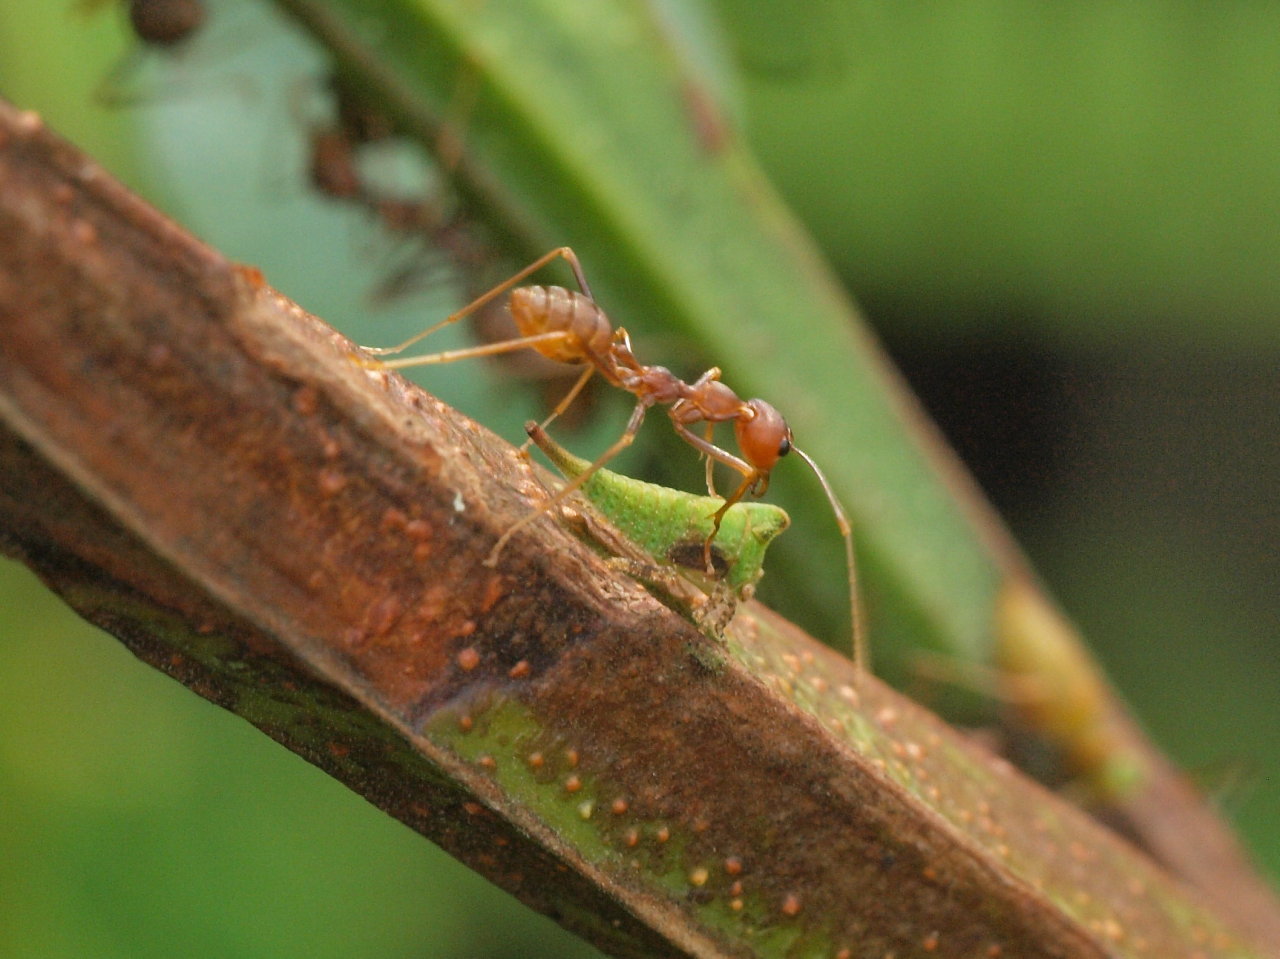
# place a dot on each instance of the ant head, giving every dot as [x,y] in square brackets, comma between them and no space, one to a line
[764,438]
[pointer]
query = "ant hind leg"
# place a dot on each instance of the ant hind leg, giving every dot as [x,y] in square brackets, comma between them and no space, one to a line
[483,299]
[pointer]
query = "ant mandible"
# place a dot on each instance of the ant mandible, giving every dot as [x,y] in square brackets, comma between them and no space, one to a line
[570,327]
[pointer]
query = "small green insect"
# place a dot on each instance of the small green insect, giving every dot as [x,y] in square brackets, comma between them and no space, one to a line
[672,526]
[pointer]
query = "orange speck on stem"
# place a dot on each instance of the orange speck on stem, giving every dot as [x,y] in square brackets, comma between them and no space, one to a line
[493,592]
[331,482]
[252,276]
[305,401]
[84,233]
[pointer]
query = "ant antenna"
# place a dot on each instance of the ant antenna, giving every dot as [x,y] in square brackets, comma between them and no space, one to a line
[861,655]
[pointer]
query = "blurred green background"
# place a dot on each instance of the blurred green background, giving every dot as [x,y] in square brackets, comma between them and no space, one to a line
[1061,218]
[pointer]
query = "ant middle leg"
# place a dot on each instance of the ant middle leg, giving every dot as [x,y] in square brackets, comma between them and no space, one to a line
[709,434]
[563,405]
[620,444]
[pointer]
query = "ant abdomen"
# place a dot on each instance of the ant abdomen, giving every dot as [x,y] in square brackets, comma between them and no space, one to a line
[549,309]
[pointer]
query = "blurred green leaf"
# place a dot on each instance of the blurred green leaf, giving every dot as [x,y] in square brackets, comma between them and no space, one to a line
[1106,170]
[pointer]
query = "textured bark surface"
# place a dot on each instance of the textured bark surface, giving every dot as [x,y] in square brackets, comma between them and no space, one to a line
[210,473]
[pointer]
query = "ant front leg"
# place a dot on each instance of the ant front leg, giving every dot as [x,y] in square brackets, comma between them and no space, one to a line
[737,494]
[751,476]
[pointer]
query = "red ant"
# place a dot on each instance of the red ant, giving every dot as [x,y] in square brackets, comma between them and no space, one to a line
[570,327]
[332,164]
[160,25]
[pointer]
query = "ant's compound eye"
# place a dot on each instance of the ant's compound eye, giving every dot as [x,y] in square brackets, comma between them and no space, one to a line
[785,446]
